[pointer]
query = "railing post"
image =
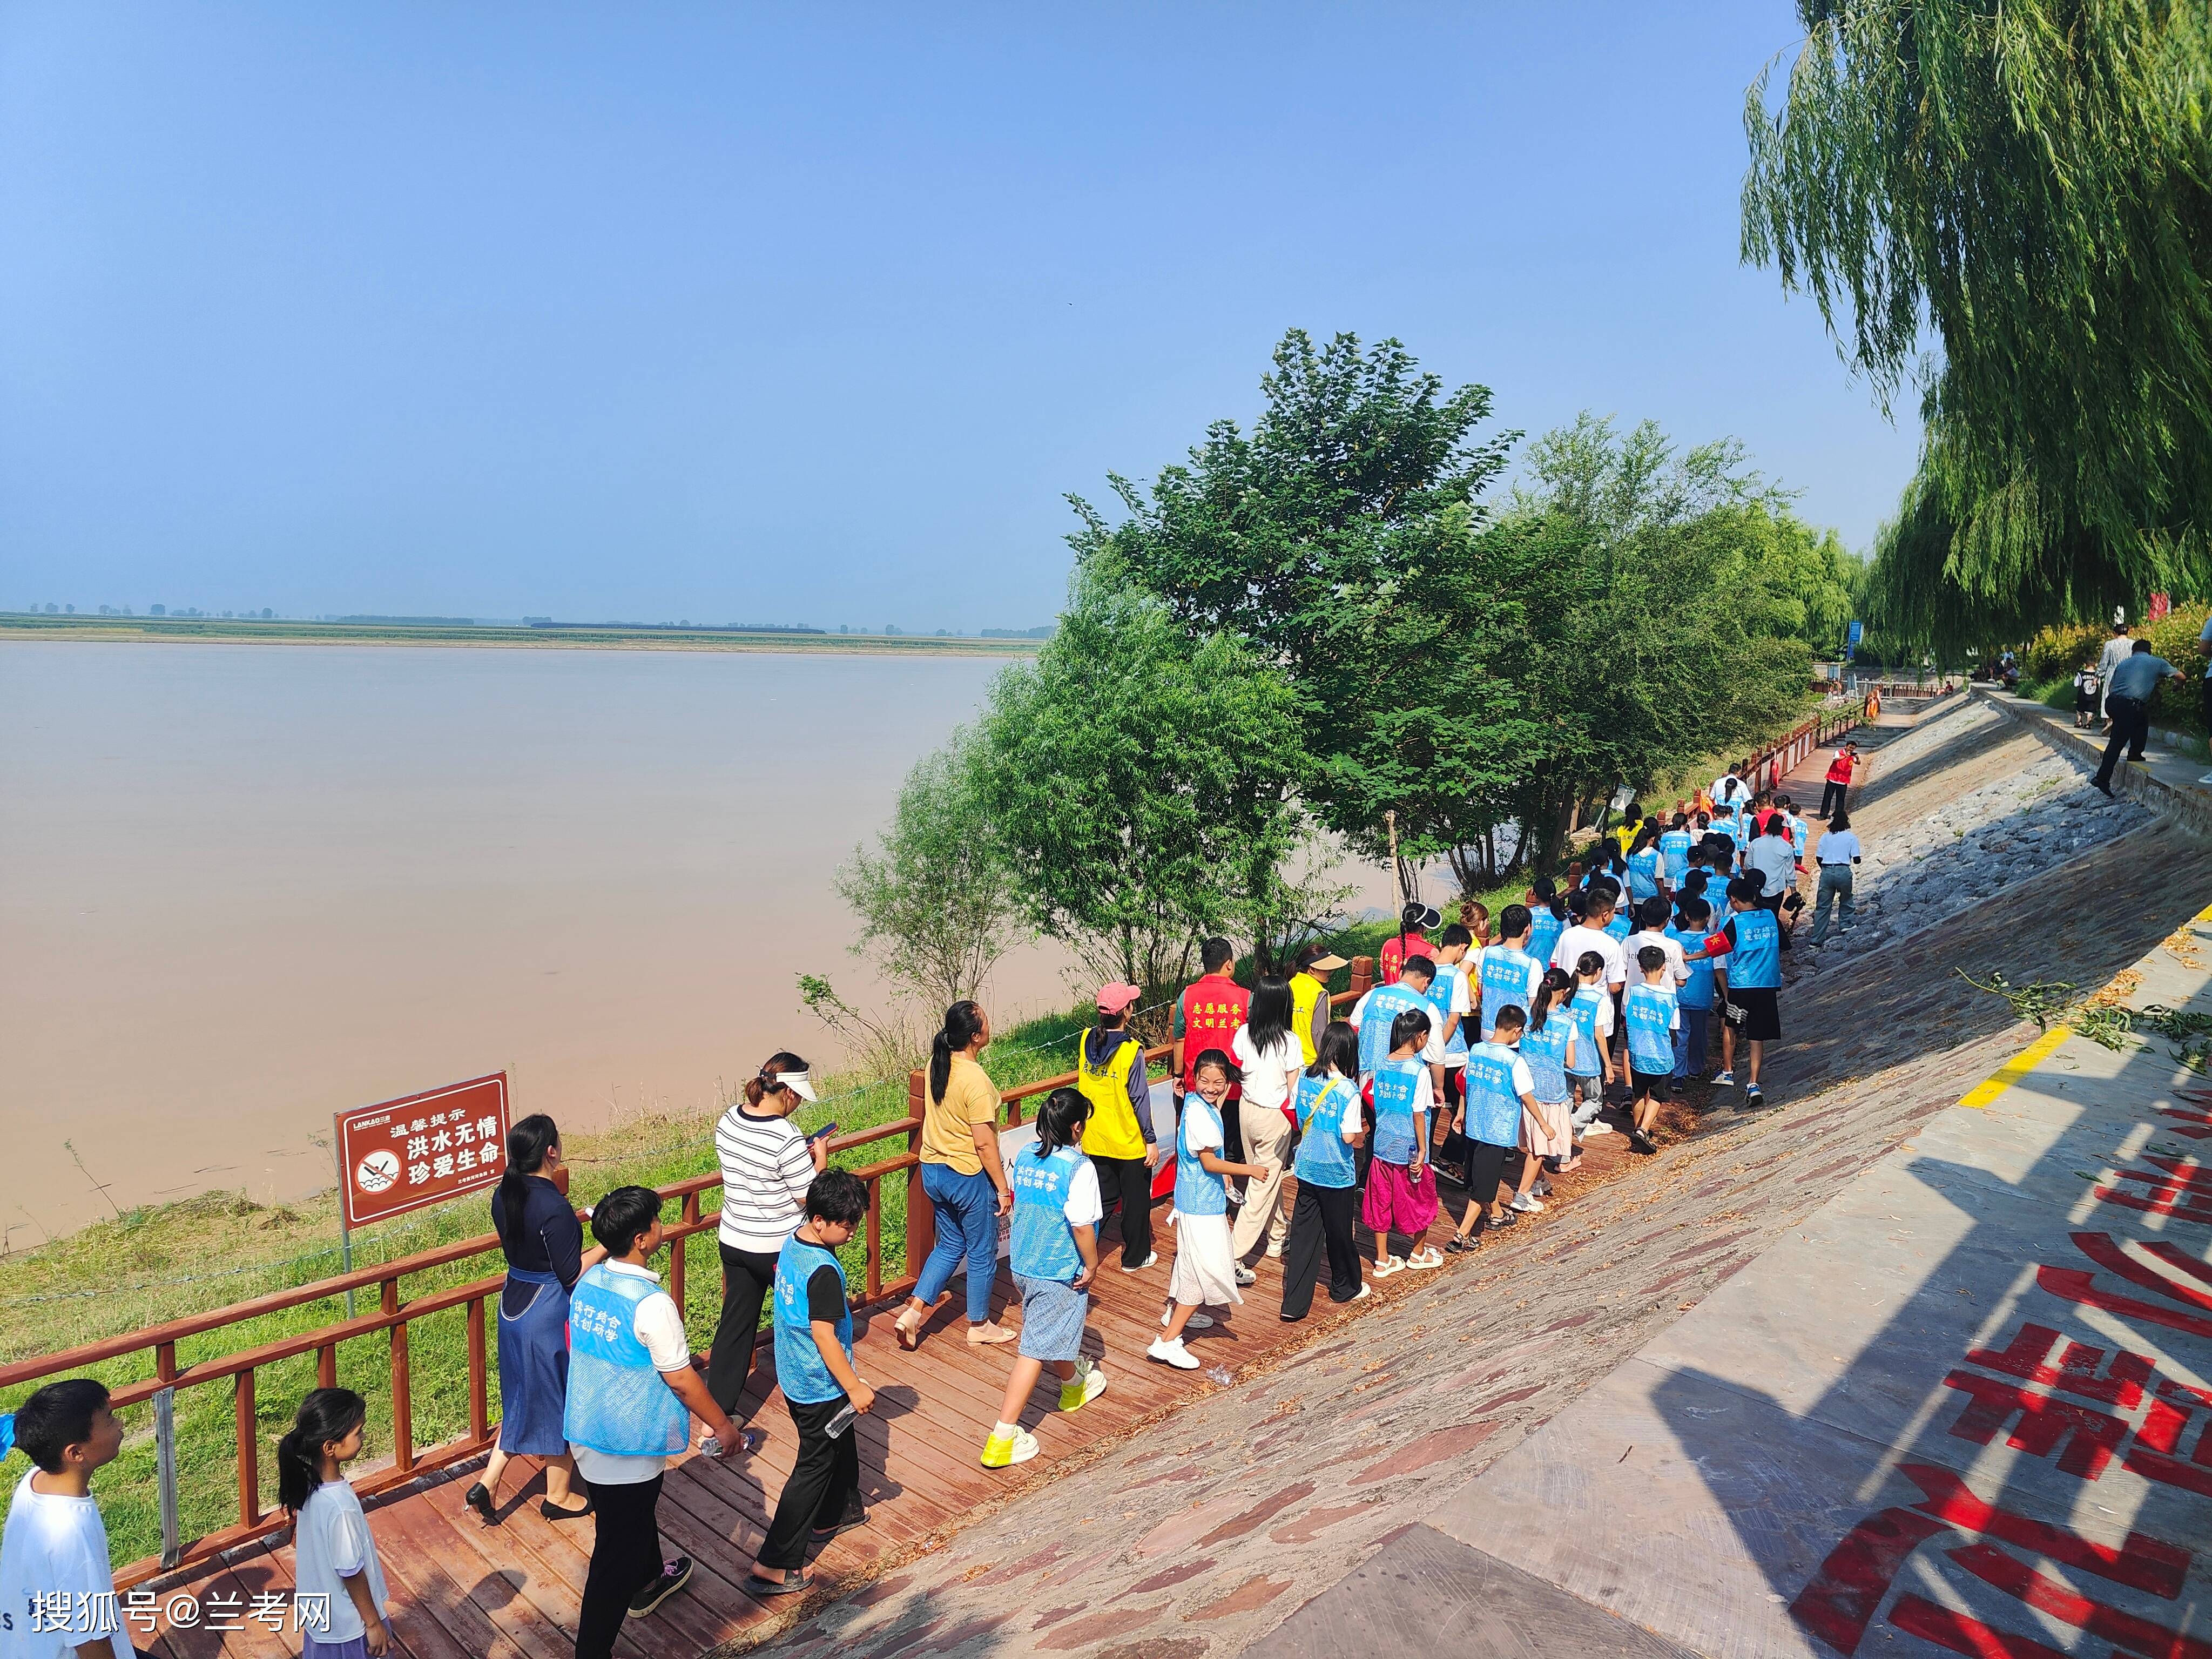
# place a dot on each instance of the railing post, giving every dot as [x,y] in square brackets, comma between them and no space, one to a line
[249,1452]
[920,1219]
[1362,975]
[875,1239]
[165,1451]
[688,1214]
[479,1383]
[402,1399]
[326,1365]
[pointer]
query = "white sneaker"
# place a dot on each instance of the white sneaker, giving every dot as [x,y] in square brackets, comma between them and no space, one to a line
[1595,1127]
[1366,1290]
[1526,1205]
[1173,1353]
[1724,1080]
[1246,1276]
[1275,1251]
[1195,1322]
[1148,1261]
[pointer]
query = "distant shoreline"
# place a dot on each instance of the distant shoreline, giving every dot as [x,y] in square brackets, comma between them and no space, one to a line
[229,631]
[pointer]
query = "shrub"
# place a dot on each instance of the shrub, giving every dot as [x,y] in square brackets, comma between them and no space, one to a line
[2057,651]
[2173,636]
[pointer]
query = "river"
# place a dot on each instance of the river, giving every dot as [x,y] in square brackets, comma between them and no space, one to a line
[248,885]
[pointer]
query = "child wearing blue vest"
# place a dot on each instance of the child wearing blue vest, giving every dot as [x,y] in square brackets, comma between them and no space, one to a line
[632,1394]
[1651,1016]
[1055,1257]
[1751,942]
[1451,1001]
[1646,866]
[1330,1129]
[1509,971]
[1204,1273]
[1550,1044]
[1500,1091]
[1548,917]
[814,1369]
[1698,992]
[1590,1070]
[1402,1187]
[1674,852]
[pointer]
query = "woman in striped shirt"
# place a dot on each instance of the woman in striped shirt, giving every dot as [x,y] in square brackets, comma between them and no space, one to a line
[766,1166]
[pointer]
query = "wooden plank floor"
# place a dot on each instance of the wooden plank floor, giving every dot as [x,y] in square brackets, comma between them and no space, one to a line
[461,1588]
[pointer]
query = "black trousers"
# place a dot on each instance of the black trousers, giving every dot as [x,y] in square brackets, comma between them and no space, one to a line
[748,1277]
[1322,1216]
[1486,1168]
[1832,798]
[1127,1182]
[625,1558]
[824,1482]
[2130,729]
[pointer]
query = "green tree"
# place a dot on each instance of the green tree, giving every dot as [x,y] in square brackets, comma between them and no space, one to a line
[1332,540]
[932,895]
[2035,180]
[1142,787]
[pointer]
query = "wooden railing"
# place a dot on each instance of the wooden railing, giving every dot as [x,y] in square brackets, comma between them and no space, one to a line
[158,1343]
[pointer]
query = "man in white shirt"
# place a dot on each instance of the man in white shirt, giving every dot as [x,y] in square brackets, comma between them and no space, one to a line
[2115,652]
[57,1593]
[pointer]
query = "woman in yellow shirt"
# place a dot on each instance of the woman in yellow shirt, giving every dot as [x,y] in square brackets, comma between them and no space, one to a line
[963,1177]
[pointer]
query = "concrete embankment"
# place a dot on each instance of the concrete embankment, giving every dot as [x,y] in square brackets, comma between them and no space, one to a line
[1536,1451]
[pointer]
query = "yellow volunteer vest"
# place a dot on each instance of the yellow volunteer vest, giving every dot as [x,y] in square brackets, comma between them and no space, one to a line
[1306,991]
[1112,1131]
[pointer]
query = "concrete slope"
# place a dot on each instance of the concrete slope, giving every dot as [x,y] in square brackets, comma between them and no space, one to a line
[1273,1509]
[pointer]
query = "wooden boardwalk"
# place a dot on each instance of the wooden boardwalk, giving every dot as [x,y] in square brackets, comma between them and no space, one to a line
[461,1589]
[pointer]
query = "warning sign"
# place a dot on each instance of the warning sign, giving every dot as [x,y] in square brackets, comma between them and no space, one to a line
[405,1154]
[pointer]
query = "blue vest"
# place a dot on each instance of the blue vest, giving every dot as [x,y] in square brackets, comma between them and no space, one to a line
[1505,973]
[1644,874]
[1544,931]
[1198,1190]
[1044,1242]
[1396,1086]
[1448,976]
[1649,1011]
[1385,1003]
[1323,1159]
[1755,965]
[1697,991]
[1546,1051]
[617,1402]
[1584,1010]
[1674,854]
[1493,1106]
[804,1380]
[1621,926]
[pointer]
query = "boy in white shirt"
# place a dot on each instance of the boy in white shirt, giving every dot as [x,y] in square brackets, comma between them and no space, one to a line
[56,1591]
[1654,914]
[1589,934]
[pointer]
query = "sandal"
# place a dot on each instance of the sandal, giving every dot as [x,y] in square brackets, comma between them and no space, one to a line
[1423,1259]
[1385,1268]
[790,1582]
[1460,1243]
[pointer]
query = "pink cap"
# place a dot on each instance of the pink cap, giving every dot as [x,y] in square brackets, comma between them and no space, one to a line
[1115,997]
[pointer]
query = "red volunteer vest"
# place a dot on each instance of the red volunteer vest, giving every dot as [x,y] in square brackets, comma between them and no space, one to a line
[1839,769]
[1393,955]
[1212,1009]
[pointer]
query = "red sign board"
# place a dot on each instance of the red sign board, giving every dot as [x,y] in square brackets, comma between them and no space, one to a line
[423,1150]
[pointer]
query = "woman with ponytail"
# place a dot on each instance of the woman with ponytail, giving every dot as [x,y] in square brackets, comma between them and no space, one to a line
[766,1165]
[544,1243]
[339,1595]
[962,1173]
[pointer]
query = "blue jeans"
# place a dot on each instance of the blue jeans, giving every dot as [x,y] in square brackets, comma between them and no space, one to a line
[1690,1042]
[967,1207]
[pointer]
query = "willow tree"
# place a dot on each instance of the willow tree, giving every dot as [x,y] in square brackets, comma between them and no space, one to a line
[2033,179]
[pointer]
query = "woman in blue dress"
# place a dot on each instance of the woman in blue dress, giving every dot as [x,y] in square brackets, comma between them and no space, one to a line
[544,1243]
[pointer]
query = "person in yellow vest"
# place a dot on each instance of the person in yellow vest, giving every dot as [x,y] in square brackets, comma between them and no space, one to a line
[1118,1140]
[1309,996]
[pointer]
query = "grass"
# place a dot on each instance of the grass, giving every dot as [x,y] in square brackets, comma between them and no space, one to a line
[161,1262]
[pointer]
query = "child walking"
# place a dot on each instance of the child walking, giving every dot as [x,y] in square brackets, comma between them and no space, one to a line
[1402,1187]
[54,1553]
[1206,1256]
[1500,1092]
[1330,1127]
[1590,1066]
[1694,997]
[1055,1257]
[1652,1017]
[1549,1043]
[338,1593]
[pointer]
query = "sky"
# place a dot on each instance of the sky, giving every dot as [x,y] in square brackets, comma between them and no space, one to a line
[816,314]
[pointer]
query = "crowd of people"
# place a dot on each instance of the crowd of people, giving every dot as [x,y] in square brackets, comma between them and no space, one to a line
[1487,1054]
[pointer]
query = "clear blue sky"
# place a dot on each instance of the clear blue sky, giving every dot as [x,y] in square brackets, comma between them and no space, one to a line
[814,313]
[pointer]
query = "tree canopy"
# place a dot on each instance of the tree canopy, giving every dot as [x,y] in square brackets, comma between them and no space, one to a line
[2034,180]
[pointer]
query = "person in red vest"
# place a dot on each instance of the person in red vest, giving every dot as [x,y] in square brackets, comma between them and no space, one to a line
[1208,1015]
[1410,940]
[1839,779]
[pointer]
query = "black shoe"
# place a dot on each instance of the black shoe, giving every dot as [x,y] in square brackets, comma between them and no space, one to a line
[2103,788]
[674,1575]
[856,1515]
[1642,1142]
[478,1498]
[553,1511]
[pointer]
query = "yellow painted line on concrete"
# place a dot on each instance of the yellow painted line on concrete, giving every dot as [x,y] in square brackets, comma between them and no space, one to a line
[2016,1068]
